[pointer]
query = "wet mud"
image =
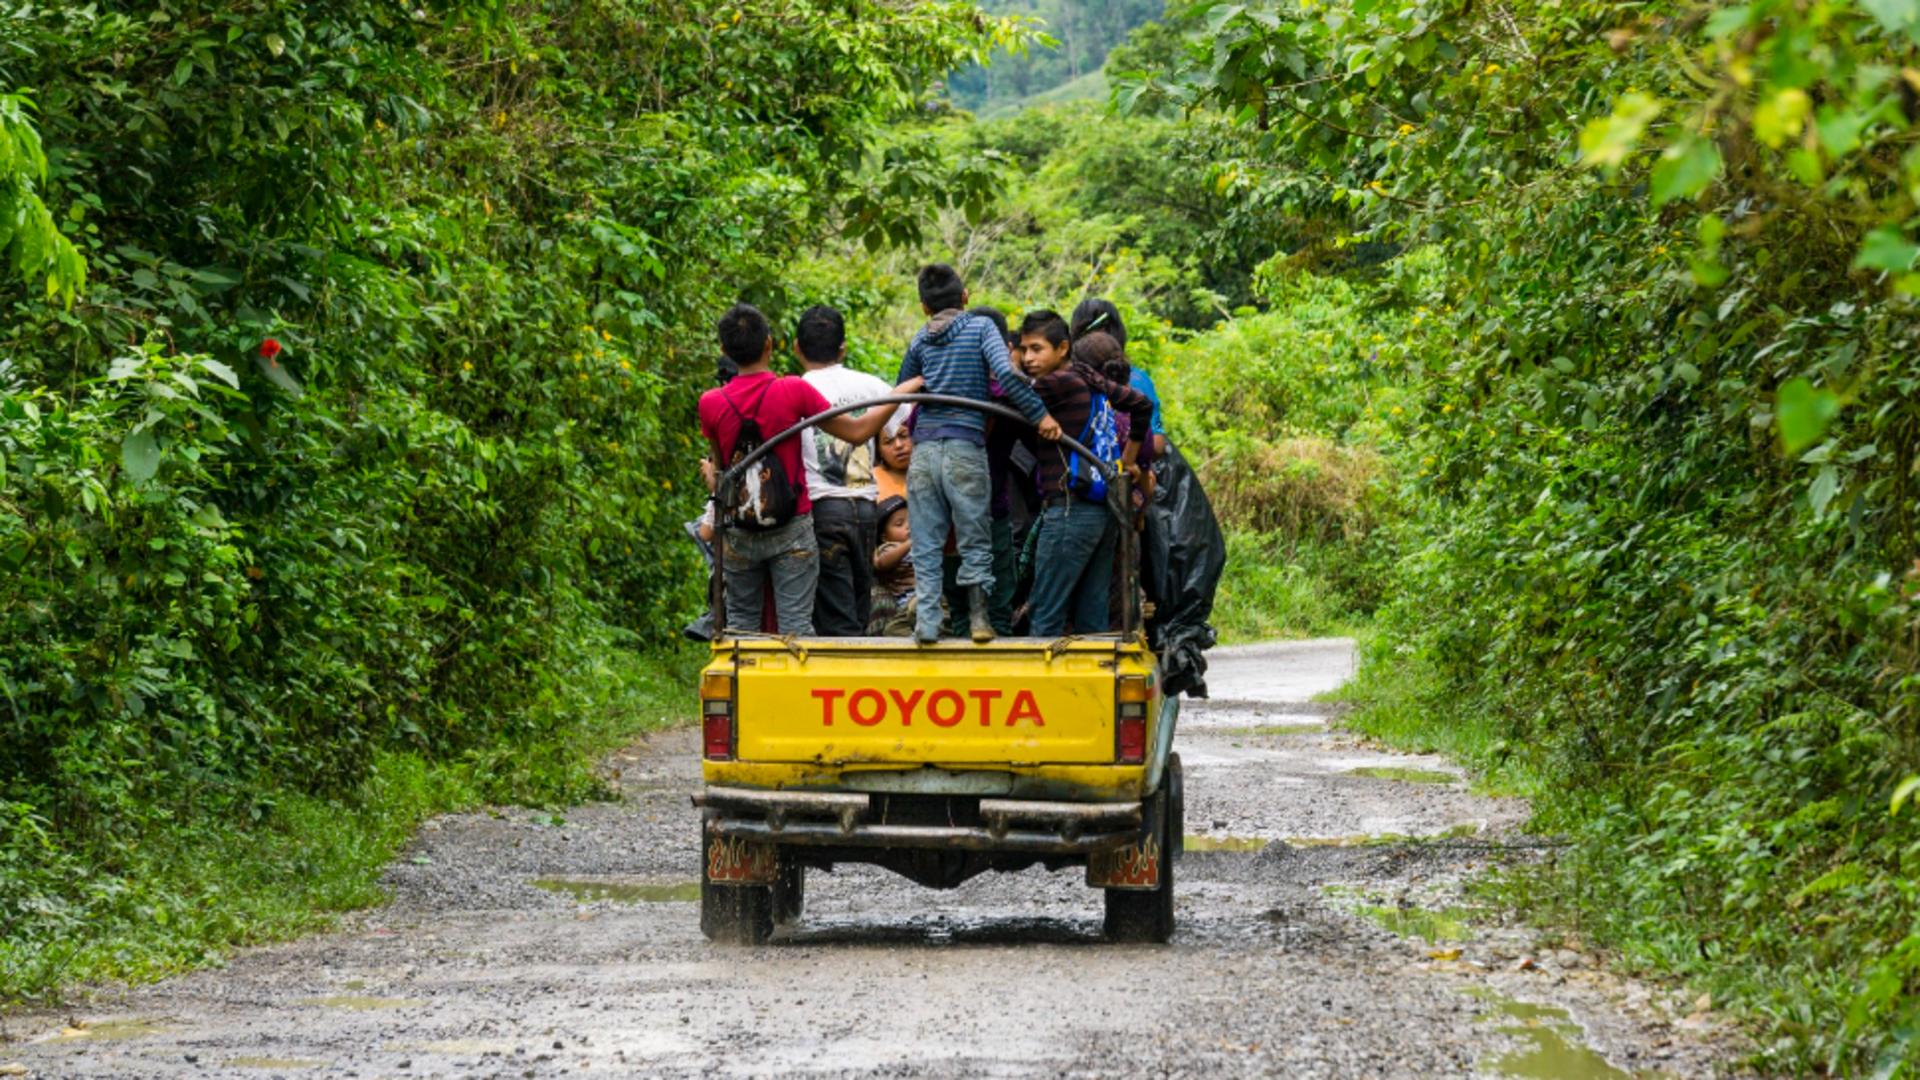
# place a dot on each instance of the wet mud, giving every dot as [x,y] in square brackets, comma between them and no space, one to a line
[1323,931]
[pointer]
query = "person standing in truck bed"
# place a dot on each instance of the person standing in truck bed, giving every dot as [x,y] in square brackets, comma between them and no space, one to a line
[1073,566]
[840,479]
[948,486]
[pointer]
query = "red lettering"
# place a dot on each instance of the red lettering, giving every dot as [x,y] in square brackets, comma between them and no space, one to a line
[907,705]
[986,698]
[959,708]
[879,707]
[827,698]
[1025,708]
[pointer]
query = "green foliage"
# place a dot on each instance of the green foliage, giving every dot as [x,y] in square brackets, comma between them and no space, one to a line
[371,432]
[1278,586]
[1079,35]
[39,251]
[1657,447]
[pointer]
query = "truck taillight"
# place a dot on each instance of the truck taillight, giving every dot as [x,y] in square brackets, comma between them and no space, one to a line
[1131,694]
[716,715]
[1130,740]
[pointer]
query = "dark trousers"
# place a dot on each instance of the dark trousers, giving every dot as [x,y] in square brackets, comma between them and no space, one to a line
[1073,568]
[843,601]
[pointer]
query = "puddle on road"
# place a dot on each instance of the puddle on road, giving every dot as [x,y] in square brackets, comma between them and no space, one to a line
[1553,1048]
[587,890]
[1451,832]
[1410,776]
[273,1063]
[112,1030]
[1268,730]
[1430,926]
[360,1002]
[1224,843]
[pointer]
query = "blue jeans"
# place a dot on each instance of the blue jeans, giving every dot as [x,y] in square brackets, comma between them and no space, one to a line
[786,557]
[947,491]
[1072,568]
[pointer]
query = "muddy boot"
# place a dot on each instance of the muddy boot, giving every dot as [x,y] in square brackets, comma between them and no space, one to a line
[977,614]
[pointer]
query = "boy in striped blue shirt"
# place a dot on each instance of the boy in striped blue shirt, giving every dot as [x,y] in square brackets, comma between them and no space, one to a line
[948,486]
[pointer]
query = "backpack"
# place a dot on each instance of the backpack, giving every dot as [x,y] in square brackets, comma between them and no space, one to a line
[762,497]
[1102,437]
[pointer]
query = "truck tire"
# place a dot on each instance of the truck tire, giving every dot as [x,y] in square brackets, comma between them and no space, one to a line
[733,914]
[1146,916]
[1176,807]
[790,892]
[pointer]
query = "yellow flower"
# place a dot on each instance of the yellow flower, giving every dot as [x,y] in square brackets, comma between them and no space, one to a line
[583,376]
[1492,69]
[500,118]
[1660,249]
[668,484]
[466,365]
[1406,129]
[624,366]
[1396,410]
[1377,185]
[606,335]
[1446,408]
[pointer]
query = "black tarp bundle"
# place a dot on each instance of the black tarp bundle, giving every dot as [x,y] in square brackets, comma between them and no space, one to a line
[1184,556]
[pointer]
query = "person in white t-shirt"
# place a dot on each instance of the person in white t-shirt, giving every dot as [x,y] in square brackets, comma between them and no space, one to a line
[839,479]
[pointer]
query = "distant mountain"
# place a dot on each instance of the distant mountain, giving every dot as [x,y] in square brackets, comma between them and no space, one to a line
[1085,29]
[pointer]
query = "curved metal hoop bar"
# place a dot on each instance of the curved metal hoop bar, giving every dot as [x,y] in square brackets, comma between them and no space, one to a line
[765,448]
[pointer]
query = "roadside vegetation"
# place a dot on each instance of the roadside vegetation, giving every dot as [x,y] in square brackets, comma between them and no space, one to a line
[1649,436]
[343,363]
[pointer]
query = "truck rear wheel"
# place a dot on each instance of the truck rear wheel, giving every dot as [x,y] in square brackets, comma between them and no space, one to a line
[1146,915]
[733,914]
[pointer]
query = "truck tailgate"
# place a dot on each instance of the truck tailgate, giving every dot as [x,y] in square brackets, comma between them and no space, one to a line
[884,701]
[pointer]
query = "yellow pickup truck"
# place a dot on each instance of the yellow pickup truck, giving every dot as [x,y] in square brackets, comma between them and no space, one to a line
[938,762]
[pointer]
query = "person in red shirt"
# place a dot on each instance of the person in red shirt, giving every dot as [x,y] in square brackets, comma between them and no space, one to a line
[779,547]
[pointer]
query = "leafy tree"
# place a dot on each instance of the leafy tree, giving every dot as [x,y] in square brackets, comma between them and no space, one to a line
[1663,471]
[370,424]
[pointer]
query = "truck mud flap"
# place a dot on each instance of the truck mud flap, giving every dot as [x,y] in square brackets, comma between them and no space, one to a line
[1136,865]
[732,860]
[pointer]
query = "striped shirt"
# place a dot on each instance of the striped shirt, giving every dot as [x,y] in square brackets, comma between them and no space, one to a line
[959,353]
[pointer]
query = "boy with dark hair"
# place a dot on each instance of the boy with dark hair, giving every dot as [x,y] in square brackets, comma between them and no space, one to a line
[839,479]
[948,484]
[771,535]
[1073,567]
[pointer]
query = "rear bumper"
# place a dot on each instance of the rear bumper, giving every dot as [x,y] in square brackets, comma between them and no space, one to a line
[848,820]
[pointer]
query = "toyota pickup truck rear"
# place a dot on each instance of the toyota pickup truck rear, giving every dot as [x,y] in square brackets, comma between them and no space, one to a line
[938,762]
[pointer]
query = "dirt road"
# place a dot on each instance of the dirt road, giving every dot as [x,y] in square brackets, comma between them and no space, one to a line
[519,944]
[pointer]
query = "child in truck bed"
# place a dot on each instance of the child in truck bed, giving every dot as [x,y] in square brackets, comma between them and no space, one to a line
[959,354]
[893,580]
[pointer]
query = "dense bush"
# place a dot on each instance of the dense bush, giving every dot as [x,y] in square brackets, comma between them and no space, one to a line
[1658,450]
[370,430]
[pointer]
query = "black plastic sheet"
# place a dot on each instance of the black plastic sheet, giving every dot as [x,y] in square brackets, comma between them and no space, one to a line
[1183,558]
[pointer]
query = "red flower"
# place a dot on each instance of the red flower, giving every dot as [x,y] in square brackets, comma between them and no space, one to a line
[269,349]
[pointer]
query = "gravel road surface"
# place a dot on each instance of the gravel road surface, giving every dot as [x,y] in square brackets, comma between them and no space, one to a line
[1323,932]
